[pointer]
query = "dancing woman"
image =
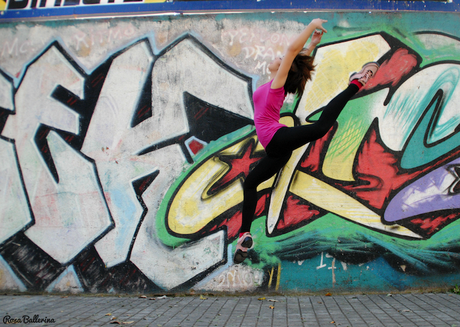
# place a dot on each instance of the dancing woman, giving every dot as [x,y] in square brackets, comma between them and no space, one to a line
[289,74]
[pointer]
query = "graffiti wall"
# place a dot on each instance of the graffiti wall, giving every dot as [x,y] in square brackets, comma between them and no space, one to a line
[124,144]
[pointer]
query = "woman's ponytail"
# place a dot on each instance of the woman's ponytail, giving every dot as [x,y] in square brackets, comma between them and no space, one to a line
[299,74]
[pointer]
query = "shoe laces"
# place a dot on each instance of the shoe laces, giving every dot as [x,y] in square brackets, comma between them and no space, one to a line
[368,74]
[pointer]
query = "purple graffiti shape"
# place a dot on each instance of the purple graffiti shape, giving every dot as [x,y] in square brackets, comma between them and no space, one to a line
[436,191]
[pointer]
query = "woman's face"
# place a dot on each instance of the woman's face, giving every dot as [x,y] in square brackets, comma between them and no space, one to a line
[274,65]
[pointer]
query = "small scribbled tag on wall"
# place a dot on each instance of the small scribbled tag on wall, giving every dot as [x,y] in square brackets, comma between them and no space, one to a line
[237,278]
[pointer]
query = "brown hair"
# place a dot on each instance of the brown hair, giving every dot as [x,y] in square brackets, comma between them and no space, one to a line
[299,74]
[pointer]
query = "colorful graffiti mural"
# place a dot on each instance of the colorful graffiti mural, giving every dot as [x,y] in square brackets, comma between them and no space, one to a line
[124,145]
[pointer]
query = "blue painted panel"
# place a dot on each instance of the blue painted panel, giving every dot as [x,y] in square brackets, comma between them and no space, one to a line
[21,9]
[315,275]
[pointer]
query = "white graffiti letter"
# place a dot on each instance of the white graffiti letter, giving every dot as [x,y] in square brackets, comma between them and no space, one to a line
[61,205]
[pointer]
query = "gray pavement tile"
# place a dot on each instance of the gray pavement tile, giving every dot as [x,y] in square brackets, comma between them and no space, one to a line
[252,314]
[111,311]
[452,300]
[265,314]
[225,312]
[180,311]
[427,307]
[450,309]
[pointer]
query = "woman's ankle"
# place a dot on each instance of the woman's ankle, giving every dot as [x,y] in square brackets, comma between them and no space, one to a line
[357,83]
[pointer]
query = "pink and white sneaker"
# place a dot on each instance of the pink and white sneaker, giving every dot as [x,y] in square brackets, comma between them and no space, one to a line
[245,242]
[366,73]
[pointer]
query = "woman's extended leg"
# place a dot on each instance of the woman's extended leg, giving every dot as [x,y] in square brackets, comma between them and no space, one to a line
[291,138]
[288,139]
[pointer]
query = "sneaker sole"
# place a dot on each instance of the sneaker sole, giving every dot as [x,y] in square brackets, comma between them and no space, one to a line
[247,243]
[240,256]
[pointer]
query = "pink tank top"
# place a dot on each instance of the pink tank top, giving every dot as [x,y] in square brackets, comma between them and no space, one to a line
[267,106]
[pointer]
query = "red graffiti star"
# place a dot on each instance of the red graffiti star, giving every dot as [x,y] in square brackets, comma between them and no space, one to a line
[239,165]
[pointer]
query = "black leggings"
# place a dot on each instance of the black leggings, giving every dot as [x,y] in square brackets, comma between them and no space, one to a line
[280,148]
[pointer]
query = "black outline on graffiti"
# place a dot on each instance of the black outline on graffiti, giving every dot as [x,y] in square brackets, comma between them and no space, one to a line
[4,113]
[181,138]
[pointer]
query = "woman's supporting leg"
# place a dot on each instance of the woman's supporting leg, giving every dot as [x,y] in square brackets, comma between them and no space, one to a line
[288,139]
[265,169]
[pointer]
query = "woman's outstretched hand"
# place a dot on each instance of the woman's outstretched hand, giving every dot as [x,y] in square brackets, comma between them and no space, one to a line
[316,37]
[318,24]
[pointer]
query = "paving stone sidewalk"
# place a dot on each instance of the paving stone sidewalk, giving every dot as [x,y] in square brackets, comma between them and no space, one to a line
[422,310]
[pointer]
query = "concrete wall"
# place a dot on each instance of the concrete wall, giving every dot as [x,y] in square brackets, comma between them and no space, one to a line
[124,143]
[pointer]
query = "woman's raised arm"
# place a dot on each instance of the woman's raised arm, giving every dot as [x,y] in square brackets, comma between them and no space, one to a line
[294,49]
